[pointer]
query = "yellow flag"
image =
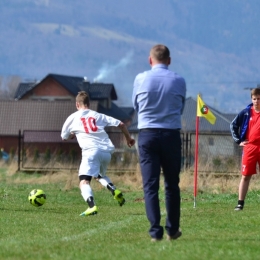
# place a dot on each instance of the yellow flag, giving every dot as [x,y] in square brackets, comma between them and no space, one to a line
[203,110]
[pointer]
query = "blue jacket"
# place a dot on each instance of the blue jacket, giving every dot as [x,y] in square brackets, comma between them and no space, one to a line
[239,125]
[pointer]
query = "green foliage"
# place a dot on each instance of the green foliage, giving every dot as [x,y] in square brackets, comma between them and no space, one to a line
[216,162]
[230,163]
[12,152]
[47,155]
[224,164]
[36,155]
[113,159]
[72,155]
[212,230]
[24,154]
[125,159]
[129,158]
[59,155]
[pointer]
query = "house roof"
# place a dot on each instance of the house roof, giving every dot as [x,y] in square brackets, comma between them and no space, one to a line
[49,115]
[230,117]
[189,115]
[100,90]
[128,110]
[35,136]
[222,123]
[23,88]
[35,115]
[73,84]
[115,112]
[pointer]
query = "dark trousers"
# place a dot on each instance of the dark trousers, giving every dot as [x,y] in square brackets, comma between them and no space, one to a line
[161,149]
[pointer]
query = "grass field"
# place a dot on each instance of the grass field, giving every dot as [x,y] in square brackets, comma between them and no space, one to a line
[212,230]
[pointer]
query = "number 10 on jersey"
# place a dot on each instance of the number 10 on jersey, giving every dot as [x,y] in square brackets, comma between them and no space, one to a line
[89,123]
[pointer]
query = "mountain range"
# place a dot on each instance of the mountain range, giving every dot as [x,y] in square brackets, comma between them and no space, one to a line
[214,44]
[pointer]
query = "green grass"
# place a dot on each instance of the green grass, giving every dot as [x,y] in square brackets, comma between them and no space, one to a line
[212,230]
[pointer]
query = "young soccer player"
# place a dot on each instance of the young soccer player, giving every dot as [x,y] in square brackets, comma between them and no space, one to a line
[89,128]
[245,129]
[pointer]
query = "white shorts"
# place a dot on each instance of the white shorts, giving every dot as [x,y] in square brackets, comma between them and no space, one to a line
[94,162]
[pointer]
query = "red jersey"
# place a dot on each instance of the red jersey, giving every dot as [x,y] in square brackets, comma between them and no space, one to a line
[253,131]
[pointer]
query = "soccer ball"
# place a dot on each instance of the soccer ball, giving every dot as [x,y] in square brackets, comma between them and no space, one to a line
[37,197]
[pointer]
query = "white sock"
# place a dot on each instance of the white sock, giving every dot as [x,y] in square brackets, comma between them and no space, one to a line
[86,191]
[105,181]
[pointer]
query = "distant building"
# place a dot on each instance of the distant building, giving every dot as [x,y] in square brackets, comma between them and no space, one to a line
[46,104]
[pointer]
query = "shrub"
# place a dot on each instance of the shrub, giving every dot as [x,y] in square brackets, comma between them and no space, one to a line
[59,155]
[36,155]
[72,155]
[47,155]
[12,152]
[216,162]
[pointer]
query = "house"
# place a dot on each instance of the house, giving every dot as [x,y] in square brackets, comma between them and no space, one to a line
[58,88]
[43,106]
[34,113]
[214,139]
[18,117]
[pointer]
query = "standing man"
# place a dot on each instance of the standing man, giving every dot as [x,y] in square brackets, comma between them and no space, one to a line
[158,98]
[89,128]
[245,129]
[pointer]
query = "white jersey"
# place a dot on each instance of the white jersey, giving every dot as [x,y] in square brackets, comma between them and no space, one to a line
[89,128]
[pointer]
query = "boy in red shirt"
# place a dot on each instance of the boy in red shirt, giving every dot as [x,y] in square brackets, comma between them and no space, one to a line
[245,130]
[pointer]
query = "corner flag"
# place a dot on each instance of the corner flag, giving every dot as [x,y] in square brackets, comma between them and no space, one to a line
[203,111]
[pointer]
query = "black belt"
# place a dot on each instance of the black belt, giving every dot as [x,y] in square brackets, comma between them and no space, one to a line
[159,130]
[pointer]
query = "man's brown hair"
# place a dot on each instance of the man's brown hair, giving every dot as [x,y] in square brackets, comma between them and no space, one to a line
[82,98]
[160,52]
[255,91]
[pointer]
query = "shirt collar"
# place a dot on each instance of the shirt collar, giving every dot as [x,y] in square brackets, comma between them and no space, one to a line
[163,66]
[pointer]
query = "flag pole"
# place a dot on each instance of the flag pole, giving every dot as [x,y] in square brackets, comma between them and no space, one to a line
[202,111]
[196,161]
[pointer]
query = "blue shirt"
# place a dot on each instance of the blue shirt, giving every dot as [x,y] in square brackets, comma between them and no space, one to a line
[158,98]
